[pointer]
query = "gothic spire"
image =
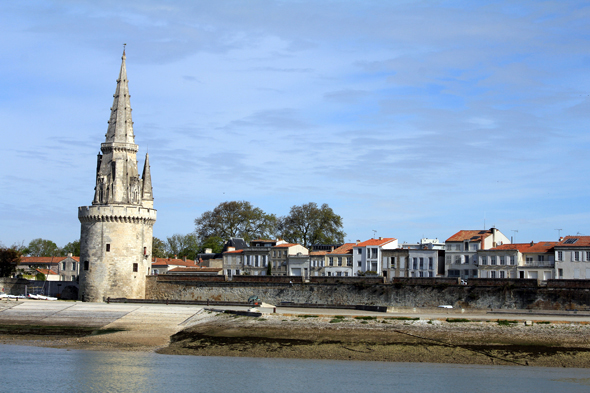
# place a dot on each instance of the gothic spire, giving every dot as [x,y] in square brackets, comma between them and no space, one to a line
[120,124]
[147,194]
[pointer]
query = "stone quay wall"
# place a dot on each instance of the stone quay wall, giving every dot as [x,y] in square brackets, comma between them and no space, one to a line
[13,286]
[399,294]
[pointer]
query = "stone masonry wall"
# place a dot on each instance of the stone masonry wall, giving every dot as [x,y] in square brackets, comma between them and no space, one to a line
[13,286]
[391,295]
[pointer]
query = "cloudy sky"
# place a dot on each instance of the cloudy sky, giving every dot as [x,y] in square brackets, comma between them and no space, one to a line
[409,118]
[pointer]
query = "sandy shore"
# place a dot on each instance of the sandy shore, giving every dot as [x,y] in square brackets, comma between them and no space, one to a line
[386,339]
[379,337]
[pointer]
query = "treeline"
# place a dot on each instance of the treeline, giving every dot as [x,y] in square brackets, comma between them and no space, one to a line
[306,225]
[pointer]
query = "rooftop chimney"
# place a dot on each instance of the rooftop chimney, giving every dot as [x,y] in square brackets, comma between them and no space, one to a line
[358,241]
[380,237]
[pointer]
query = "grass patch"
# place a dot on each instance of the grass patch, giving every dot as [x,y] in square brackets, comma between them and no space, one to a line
[455,320]
[403,318]
[366,318]
[364,322]
[307,316]
[261,319]
[543,323]
[336,320]
[504,322]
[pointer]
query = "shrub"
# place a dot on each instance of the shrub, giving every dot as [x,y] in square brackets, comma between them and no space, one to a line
[454,320]
[403,318]
[307,316]
[366,318]
[503,322]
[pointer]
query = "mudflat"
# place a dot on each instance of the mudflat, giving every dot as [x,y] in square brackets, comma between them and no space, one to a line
[395,339]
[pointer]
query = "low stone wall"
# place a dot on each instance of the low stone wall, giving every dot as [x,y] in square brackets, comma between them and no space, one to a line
[388,295]
[13,286]
[345,280]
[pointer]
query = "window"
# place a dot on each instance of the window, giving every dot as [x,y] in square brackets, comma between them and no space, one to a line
[372,253]
[529,260]
[560,272]
[483,260]
[74,266]
[392,263]
[492,260]
[512,260]
[457,259]
[108,247]
[348,261]
[145,251]
[502,274]
[331,261]
[421,263]
[430,263]
[63,266]
[135,267]
[359,264]
[502,260]
[588,257]
[560,255]
[86,265]
[339,261]
[576,256]
[415,263]
[466,260]
[237,272]
[492,274]
[541,258]
[359,251]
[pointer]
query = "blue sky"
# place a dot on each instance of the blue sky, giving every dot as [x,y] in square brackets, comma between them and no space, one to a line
[408,118]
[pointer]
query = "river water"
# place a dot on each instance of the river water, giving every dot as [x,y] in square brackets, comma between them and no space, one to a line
[32,369]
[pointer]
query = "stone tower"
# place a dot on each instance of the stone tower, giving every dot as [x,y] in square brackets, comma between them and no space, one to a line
[116,234]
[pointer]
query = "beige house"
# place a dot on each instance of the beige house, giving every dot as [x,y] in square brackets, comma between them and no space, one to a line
[462,250]
[279,256]
[572,258]
[339,262]
[317,263]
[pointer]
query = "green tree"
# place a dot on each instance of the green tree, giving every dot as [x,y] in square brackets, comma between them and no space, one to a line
[41,248]
[236,219]
[182,245]
[158,248]
[9,260]
[71,248]
[215,243]
[309,224]
[40,276]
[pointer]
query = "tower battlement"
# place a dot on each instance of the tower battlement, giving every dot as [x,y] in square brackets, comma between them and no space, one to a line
[114,213]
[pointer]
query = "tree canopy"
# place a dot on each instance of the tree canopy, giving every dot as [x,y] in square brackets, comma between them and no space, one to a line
[309,224]
[9,260]
[236,219]
[71,248]
[41,248]
[182,245]
[158,248]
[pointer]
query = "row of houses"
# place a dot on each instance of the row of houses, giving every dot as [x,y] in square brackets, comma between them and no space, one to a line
[467,254]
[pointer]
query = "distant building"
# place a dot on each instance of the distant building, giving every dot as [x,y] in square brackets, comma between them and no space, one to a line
[65,268]
[572,258]
[367,255]
[462,250]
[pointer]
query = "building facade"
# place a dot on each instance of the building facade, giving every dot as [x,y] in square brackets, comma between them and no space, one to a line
[116,230]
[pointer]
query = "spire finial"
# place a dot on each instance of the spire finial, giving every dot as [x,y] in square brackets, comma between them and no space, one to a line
[124,50]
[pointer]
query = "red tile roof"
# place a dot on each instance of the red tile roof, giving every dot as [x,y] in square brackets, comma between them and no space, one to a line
[568,241]
[31,260]
[375,242]
[46,271]
[472,235]
[539,247]
[318,253]
[172,261]
[286,245]
[195,270]
[346,248]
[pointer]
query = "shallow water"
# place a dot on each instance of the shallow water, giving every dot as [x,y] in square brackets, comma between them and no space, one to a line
[27,369]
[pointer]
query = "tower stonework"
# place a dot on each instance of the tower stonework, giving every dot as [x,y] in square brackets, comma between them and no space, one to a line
[116,231]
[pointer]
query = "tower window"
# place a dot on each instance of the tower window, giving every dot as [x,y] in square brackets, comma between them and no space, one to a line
[135,267]
[108,247]
[86,265]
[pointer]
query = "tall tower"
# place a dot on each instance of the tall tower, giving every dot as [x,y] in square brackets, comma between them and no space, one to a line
[116,233]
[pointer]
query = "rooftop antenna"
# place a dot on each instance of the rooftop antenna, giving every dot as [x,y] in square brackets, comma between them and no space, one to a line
[515,231]
[374,233]
[559,232]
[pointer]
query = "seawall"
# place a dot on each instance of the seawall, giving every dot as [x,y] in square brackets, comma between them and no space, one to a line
[480,294]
